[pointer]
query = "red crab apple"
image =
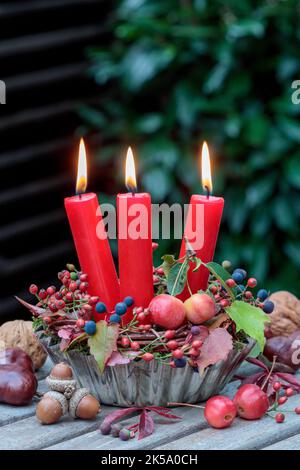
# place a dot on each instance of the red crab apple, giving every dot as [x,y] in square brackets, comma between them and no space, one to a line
[219,412]
[199,308]
[167,311]
[251,402]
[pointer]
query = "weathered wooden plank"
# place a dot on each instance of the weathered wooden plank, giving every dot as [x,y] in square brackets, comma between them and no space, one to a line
[241,435]
[292,443]
[29,434]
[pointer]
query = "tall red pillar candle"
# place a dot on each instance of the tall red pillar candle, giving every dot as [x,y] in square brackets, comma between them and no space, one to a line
[134,243]
[202,229]
[91,241]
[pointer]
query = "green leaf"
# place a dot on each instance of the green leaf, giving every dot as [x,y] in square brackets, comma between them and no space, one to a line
[249,319]
[168,262]
[177,278]
[103,342]
[198,263]
[218,271]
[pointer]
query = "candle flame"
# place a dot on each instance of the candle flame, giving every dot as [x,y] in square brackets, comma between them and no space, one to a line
[206,170]
[81,183]
[130,179]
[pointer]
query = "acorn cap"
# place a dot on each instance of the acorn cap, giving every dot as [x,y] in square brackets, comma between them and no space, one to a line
[61,385]
[76,399]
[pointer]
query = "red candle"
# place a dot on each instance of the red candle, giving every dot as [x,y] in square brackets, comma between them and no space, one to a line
[134,242]
[202,228]
[91,241]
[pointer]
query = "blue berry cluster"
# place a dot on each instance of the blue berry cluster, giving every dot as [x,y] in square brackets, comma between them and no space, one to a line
[90,327]
[120,309]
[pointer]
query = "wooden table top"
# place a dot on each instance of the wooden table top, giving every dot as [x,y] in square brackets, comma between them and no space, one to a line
[19,429]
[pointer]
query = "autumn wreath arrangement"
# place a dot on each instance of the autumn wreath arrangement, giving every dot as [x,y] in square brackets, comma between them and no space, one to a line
[216,328]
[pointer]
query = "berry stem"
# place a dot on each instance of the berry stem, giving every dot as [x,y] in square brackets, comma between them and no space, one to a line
[269,374]
[185,404]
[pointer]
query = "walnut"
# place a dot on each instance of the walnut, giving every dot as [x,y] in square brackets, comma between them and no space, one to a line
[19,334]
[285,318]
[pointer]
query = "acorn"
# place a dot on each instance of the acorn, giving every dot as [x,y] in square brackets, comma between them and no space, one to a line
[83,405]
[51,408]
[62,371]
[61,380]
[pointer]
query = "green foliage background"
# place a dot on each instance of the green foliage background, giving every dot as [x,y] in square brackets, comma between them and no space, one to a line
[178,72]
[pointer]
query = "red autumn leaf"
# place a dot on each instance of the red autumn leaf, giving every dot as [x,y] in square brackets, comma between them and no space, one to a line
[146,426]
[291,379]
[215,348]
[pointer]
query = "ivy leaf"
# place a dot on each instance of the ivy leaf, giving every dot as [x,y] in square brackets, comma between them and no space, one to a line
[251,320]
[215,348]
[146,425]
[168,262]
[177,278]
[104,342]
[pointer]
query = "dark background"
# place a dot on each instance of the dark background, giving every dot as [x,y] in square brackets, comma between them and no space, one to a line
[161,75]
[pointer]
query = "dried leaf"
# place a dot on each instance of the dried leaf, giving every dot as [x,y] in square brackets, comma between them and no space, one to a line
[146,426]
[165,412]
[104,342]
[215,348]
[36,311]
[218,321]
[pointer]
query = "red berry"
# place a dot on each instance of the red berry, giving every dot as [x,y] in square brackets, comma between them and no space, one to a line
[42,294]
[177,353]
[139,310]
[69,297]
[224,303]
[160,271]
[53,308]
[147,357]
[135,346]
[297,410]
[251,402]
[47,320]
[172,344]
[219,412]
[230,282]
[147,327]
[141,317]
[289,392]
[169,334]
[197,344]
[280,417]
[173,365]
[213,289]
[94,300]
[87,308]
[72,286]
[155,280]
[60,304]
[66,274]
[252,282]
[248,294]
[33,289]
[277,386]
[83,277]
[83,286]
[125,342]
[80,323]
[282,400]
[194,352]
[58,295]
[51,290]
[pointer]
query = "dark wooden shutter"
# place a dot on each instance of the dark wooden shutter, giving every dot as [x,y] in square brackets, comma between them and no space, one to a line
[43,62]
